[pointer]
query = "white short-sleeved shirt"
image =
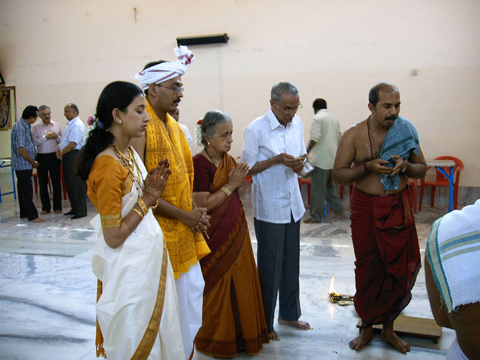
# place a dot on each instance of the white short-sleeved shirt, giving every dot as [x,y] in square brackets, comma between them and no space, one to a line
[75,131]
[275,193]
[326,133]
[187,135]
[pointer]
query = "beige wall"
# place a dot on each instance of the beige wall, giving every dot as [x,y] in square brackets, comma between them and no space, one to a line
[56,52]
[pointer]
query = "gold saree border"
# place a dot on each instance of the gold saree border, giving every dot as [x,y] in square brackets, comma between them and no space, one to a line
[146,344]
[148,339]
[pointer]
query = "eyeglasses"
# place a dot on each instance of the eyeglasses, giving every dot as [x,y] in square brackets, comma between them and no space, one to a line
[175,89]
[289,110]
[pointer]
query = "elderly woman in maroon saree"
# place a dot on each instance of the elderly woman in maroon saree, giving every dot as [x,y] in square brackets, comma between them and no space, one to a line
[233,317]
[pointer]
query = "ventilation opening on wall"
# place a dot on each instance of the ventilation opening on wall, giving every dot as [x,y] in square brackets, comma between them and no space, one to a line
[203,39]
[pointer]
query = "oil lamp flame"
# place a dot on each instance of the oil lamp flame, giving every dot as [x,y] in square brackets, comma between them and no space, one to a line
[338,298]
[331,289]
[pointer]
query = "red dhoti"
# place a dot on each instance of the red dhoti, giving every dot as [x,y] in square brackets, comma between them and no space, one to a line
[387,255]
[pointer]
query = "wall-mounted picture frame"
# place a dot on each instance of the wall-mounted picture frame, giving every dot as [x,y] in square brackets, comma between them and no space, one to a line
[8,107]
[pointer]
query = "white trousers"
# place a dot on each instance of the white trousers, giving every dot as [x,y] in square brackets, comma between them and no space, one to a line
[190,287]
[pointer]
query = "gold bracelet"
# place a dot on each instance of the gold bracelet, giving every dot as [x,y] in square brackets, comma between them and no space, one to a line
[143,206]
[155,206]
[139,213]
[226,191]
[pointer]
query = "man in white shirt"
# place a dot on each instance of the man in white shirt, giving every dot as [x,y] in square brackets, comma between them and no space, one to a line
[46,137]
[274,150]
[72,141]
[176,115]
[324,138]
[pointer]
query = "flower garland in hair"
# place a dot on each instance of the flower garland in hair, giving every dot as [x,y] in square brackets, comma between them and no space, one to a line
[198,133]
[94,123]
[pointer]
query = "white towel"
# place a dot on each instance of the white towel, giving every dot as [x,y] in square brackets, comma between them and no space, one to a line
[454,254]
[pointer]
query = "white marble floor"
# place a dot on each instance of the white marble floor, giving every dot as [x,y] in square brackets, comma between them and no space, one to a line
[47,292]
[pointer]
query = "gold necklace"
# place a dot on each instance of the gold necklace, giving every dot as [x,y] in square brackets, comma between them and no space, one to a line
[130,164]
[211,159]
[372,139]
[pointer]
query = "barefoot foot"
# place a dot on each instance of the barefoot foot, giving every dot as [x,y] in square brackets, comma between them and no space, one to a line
[302,325]
[366,335]
[274,336]
[37,220]
[389,336]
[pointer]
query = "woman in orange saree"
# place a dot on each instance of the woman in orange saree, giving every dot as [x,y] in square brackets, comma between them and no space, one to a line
[137,307]
[233,317]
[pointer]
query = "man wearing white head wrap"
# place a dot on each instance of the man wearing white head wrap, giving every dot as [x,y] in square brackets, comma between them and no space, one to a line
[164,71]
[179,217]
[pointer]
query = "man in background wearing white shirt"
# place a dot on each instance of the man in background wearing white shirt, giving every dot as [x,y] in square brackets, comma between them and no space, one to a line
[46,137]
[176,115]
[72,141]
[274,150]
[324,138]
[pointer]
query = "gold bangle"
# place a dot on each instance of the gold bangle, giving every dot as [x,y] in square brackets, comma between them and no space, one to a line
[143,206]
[226,191]
[139,213]
[155,206]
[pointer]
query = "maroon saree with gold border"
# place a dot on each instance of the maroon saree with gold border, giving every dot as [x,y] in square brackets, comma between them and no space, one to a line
[233,317]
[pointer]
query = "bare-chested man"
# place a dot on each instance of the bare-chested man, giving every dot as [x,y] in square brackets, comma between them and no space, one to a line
[384,150]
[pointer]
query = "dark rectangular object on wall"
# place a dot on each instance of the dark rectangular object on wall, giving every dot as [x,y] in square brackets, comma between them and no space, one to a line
[203,39]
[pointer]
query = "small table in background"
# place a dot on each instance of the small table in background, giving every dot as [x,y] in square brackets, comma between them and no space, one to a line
[439,165]
[6,162]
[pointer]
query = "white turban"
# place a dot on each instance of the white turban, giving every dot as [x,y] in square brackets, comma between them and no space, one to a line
[167,70]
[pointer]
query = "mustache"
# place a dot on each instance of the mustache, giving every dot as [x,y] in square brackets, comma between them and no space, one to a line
[177,101]
[393,117]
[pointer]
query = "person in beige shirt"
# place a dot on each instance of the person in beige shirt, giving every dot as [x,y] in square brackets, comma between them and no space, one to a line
[324,138]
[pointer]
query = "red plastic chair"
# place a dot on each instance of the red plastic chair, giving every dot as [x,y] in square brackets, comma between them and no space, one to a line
[35,183]
[248,178]
[441,180]
[412,188]
[342,191]
[307,182]
[350,186]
